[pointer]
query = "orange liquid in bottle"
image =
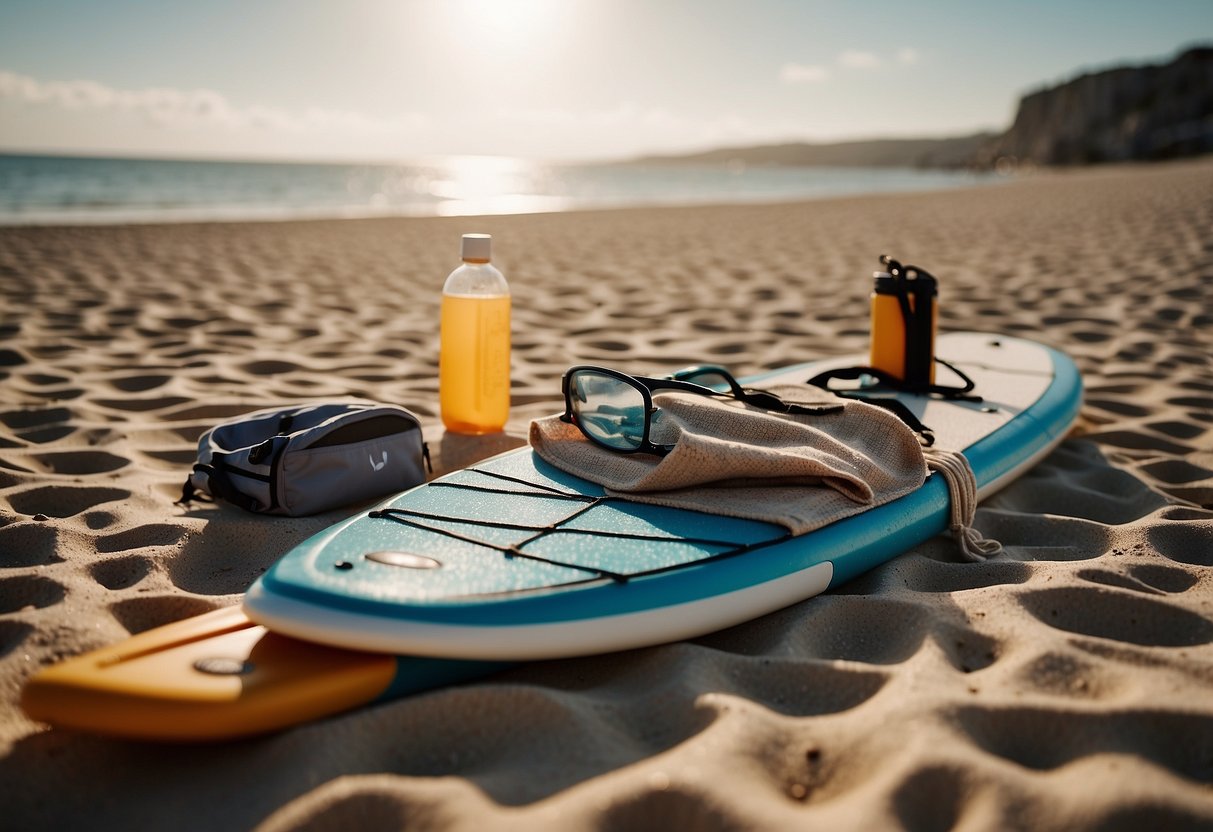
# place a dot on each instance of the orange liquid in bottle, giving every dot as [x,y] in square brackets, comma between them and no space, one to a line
[474,363]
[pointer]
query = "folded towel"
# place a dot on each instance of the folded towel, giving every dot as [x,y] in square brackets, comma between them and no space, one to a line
[801,471]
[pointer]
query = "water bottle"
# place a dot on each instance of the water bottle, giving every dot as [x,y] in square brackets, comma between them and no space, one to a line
[904,323]
[474,357]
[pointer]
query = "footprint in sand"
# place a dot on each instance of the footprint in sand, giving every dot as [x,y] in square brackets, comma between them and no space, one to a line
[139,383]
[97,520]
[138,405]
[270,368]
[122,572]
[29,543]
[1036,537]
[1164,578]
[799,688]
[149,535]
[29,591]
[21,419]
[1177,430]
[1189,543]
[927,574]
[1156,580]
[43,436]
[63,500]
[12,635]
[933,797]
[680,806]
[1180,471]
[1116,406]
[1115,615]
[864,629]
[81,462]
[45,379]
[59,394]
[39,426]
[1178,742]
[138,615]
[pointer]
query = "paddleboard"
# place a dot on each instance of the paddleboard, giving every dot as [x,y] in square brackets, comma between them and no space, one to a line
[220,676]
[513,559]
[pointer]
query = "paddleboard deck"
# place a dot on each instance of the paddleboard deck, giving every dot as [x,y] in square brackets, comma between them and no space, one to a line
[513,559]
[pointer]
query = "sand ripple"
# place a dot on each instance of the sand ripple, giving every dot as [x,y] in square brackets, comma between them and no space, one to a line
[1062,685]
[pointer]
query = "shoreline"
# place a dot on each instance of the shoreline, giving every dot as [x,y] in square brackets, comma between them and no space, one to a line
[418,191]
[143,216]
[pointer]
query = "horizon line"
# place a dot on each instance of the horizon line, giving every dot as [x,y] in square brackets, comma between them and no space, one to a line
[421,158]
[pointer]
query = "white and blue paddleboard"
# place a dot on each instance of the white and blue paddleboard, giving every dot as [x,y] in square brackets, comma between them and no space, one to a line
[513,559]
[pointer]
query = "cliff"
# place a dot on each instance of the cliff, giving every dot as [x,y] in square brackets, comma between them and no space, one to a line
[1156,111]
[1128,113]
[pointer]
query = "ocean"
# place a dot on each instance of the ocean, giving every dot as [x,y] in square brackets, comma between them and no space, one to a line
[69,190]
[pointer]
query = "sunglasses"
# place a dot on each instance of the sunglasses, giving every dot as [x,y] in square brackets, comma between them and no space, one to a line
[616,411]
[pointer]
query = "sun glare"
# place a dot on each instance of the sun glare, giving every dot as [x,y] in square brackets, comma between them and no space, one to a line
[505,18]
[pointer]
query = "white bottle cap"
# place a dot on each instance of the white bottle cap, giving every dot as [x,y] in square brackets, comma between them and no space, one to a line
[476,247]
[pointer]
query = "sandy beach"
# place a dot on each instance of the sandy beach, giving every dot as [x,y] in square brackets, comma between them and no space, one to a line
[1065,684]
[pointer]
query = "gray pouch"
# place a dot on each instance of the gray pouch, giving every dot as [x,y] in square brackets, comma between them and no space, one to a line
[310,458]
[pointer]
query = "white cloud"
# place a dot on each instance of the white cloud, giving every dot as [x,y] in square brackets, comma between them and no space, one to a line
[792,73]
[191,108]
[72,116]
[856,59]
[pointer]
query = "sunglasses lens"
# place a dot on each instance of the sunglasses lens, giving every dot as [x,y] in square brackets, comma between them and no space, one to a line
[608,410]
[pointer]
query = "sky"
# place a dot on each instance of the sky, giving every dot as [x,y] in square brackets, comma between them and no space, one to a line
[398,80]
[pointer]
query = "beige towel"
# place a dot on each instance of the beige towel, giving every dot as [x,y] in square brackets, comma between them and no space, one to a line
[799,471]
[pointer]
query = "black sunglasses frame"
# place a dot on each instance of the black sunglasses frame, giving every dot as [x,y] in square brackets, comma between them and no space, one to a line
[644,386]
[693,372]
[677,381]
